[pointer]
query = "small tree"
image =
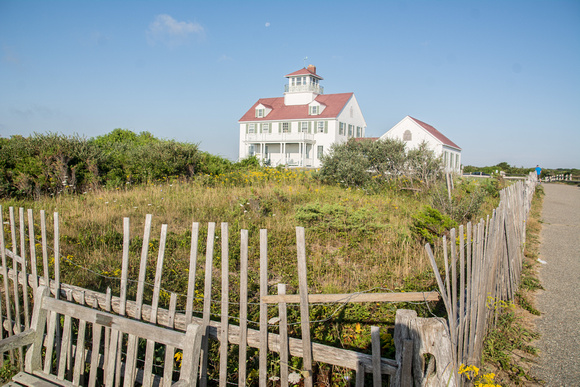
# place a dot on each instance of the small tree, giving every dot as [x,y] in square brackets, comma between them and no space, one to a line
[355,163]
[423,164]
[346,164]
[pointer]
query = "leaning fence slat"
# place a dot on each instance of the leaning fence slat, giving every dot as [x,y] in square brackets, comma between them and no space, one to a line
[149,352]
[56,255]
[437,276]
[17,317]
[224,307]
[304,310]
[242,350]
[263,351]
[97,332]
[24,269]
[283,314]
[170,350]
[123,302]
[32,243]
[468,302]
[108,307]
[192,270]
[16,293]
[124,267]
[460,338]
[474,284]
[65,344]
[133,342]
[44,247]
[376,351]
[6,286]
[447,279]
[5,278]
[79,364]
[207,302]
[454,322]
[143,266]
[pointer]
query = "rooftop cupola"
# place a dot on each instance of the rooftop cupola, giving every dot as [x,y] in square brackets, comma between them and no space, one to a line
[303,86]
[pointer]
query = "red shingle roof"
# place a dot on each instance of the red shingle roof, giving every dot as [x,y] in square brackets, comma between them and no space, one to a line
[303,72]
[438,135]
[334,104]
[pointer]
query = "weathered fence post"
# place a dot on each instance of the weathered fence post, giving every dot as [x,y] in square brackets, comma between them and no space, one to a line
[432,355]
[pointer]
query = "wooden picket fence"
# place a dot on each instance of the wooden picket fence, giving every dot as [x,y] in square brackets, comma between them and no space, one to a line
[15,316]
[483,263]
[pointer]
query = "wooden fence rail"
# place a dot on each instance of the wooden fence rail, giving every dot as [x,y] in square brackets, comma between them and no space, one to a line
[482,270]
[15,314]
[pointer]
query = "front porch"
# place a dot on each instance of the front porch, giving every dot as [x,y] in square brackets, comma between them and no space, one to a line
[289,154]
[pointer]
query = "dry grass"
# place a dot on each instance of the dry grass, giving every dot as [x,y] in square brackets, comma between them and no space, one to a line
[340,260]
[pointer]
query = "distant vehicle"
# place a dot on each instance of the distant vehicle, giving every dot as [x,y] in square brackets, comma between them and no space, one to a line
[479,174]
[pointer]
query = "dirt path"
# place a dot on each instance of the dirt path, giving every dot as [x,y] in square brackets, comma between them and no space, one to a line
[559,325]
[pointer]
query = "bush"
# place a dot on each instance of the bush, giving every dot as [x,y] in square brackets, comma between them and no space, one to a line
[429,224]
[51,164]
[465,203]
[346,165]
[360,163]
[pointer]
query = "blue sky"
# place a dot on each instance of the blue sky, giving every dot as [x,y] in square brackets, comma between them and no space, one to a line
[499,78]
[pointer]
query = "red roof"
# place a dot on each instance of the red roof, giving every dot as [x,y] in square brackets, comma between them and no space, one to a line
[334,104]
[303,72]
[438,135]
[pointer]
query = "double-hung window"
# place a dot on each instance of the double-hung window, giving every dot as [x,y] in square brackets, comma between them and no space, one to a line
[349,130]
[320,127]
[251,128]
[341,129]
[259,113]
[266,127]
[304,126]
[314,110]
[319,151]
[285,127]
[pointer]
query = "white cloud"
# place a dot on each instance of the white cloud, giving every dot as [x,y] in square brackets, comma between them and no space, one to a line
[267,24]
[166,30]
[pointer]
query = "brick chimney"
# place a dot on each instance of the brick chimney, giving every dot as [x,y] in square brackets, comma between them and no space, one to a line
[312,69]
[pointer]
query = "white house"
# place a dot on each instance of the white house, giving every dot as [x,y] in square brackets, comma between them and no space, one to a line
[414,132]
[298,128]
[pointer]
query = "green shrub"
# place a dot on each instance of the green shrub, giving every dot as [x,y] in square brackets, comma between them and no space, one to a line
[368,163]
[465,202]
[334,217]
[429,224]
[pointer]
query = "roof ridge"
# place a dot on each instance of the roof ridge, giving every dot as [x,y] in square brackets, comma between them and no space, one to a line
[438,135]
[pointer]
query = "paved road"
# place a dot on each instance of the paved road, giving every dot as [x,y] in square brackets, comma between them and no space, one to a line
[559,325]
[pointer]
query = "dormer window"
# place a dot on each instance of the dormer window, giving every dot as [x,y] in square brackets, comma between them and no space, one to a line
[314,110]
[259,113]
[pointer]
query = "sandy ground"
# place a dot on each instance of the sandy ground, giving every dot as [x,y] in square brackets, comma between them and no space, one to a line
[559,303]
